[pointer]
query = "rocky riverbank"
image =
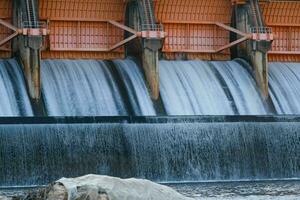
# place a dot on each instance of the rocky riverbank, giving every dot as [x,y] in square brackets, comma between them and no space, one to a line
[96,187]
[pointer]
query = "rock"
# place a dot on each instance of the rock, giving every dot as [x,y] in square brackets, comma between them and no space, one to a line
[57,191]
[4,198]
[96,187]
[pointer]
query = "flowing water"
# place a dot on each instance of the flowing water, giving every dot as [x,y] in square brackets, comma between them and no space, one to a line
[14,100]
[248,190]
[136,87]
[233,190]
[80,88]
[209,88]
[102,88]
[284,84]
[35,154]
[176,151]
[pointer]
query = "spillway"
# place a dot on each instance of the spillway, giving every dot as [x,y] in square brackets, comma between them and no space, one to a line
[284,84]
[171,91]
[118,88]
[135,86]
[14,99]
[227,146]
[93,88]
[209,88]
[160,149]
[80,88]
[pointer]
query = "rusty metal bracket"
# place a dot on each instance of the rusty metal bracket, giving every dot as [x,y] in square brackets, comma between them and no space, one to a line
[22,31]
[149,34]
[255,35]
[245,36]
[11,27]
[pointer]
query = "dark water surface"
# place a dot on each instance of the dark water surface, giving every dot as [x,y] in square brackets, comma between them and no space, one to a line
[249,190]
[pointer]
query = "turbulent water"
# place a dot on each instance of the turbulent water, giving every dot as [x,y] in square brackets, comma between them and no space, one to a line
[156,151]
[14,100]
[209,88]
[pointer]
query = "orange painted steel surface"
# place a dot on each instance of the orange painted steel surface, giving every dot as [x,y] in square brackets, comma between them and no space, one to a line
[191,28]
[80,29]
[5,14]
[284,18]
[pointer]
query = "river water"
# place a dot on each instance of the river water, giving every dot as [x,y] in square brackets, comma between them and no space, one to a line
[248,190]
[245,190]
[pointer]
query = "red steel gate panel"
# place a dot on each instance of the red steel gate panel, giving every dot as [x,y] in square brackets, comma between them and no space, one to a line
[5,14]
[80,29]
[191,28]
[284,18]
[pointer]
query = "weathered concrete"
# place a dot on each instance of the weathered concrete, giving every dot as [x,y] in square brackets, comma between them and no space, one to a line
[27,49]
[136,18]
[254,52]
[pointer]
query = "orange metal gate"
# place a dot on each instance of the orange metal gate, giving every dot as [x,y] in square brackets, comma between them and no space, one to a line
[284,18]
[5,14]
[191,27]
[81,29]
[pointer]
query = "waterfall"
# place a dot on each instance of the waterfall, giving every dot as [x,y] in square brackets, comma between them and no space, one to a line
[242,87]
[136,87]
[209,88]
[101,88]
[177,151]
[284,83]
[14,98]
[80,88]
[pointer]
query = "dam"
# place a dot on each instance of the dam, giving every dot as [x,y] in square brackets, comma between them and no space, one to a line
[156,89]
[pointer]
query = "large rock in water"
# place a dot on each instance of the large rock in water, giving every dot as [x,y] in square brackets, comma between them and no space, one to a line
[95,187]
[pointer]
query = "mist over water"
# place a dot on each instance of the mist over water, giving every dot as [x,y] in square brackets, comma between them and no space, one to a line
[14,99]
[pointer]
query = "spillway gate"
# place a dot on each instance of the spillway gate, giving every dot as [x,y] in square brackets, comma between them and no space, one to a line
[257,31]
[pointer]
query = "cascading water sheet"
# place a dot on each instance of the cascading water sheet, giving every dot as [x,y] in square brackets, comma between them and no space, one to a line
[136,87]
[33,154]
[14,98]
[242,88]
[80,88]
[284,83]
[89,87]
[208,88]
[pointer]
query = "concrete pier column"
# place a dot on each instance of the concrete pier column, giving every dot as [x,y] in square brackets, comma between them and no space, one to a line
[27,48]
[141,18]
[255,52]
